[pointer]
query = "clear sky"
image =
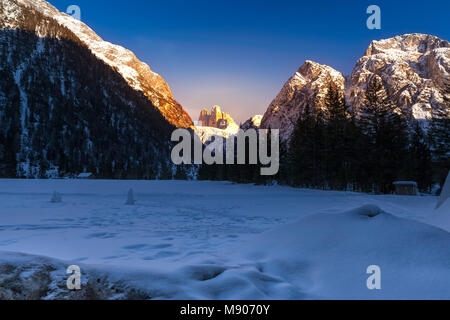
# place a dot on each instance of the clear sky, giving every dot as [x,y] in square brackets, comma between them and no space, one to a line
[238,54]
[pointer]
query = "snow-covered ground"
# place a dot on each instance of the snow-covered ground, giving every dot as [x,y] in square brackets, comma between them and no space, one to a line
[217,240]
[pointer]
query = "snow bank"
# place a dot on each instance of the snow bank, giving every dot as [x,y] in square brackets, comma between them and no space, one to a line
[327,255]
[322,256]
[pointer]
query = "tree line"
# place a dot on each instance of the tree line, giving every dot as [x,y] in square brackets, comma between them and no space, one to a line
[335,147]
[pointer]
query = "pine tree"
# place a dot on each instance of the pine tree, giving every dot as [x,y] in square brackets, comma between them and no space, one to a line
[306,150]
[385,128]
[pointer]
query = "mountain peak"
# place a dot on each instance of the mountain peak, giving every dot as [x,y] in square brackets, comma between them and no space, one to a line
[252,123]
[136,73]
[72,103]
[412,67]
[310,70]
[216,118]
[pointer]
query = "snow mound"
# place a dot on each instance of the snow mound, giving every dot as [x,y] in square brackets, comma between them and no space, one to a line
[327,255]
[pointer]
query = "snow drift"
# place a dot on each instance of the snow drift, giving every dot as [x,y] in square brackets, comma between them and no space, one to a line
[321,256]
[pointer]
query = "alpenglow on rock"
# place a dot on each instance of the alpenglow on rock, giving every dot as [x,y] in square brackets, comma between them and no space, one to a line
[136,73]
[308,86]
[413,69]
[252,123]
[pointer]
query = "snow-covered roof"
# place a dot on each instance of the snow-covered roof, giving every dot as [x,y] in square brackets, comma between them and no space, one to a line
[412,183]
[85,175]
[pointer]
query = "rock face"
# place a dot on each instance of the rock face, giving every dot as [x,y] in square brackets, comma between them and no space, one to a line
[308,86]
[215,123]
[136,73]
[216,118]
[412,67]
[71,103]
[252,123]
[206,133]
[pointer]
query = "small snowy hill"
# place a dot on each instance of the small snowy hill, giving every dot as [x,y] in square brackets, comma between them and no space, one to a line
[327,255]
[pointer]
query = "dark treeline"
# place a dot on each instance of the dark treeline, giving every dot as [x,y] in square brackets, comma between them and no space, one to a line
[333,148]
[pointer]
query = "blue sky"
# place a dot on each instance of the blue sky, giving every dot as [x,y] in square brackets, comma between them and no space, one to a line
[238,54]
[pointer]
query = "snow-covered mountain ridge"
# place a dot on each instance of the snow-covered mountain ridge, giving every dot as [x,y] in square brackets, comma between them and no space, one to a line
[137,74]
[412,67]
[71,103]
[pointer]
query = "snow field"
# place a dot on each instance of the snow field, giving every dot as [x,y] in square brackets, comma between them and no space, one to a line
[217,240]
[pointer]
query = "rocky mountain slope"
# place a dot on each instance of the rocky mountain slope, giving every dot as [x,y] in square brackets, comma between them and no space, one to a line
[308,86]
[412,67]
[70,102]
[136,73]
[252,123]
[206,133]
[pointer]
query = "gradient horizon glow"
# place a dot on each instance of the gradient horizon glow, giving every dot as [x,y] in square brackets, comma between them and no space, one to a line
[238,54]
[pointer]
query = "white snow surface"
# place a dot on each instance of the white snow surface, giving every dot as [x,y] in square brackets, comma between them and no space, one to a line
[218,240]
[137,74]
[206,133]
[256,120]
